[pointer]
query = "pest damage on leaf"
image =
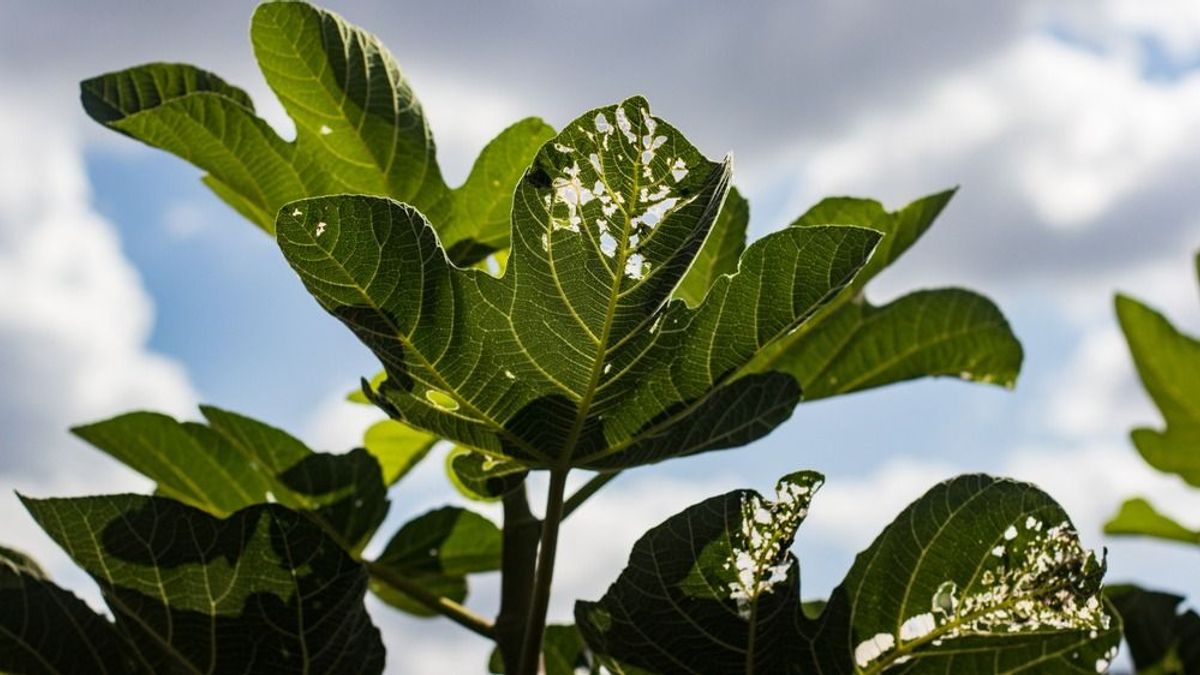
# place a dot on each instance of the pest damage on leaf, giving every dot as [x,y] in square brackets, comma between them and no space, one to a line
[759,552]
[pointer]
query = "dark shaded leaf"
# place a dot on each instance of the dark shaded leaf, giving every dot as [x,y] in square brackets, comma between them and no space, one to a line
[572,358]
[234,462]
[1162,640]
[979,575]
[264,590]
[47,630]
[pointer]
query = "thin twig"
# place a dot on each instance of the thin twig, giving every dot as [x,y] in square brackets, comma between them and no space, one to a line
[444,606]
[540,598]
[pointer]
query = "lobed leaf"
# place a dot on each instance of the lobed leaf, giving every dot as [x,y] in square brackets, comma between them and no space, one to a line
[853,345]
[359,129]
[234,462]
[264,590]
[721,251]
[979,575]
[575,357]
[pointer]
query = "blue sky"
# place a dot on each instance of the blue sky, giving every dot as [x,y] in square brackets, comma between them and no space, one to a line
[1071,128]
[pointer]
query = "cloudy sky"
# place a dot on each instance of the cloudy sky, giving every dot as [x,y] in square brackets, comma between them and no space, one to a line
[1072,127]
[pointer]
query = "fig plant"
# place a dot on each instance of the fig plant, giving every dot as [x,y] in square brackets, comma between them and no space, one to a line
[585,301]
[1162,640]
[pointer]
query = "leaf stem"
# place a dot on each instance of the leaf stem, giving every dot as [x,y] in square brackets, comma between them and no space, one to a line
[444,606]
[584,493]
[517,568]
[540,598]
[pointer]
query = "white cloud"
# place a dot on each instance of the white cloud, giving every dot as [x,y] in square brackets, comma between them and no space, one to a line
[1096,394]
[337,424]
[1067,131]
[74,322]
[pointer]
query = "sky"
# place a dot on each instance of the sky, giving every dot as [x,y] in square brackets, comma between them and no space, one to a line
[1070,127]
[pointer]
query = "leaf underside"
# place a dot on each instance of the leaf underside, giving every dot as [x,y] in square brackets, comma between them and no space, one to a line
[980,575]
[1162,639]
[359,129]
[233,462]
[264,590]
[47,630]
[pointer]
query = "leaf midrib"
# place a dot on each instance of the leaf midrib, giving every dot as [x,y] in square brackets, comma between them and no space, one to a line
[585,402]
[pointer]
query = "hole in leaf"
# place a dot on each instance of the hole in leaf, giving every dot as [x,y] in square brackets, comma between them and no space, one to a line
[441,399]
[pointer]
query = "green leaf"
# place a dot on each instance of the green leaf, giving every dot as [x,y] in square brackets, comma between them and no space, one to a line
[720,252]
[483,204]
[1162,640]
[438,550]
[352,108]
[235,462]
[1168,362]
[358,395]
[45,629]
[979,575]
[1138,517]
[853,345]
[397,447]
[112,98]
[572,358]
[482,478]
[359,129]
[946,332]
[264,590]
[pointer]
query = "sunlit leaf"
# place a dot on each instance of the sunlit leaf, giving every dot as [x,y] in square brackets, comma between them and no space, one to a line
[853,345]
[572,358]
[397,447]
[359,129]
[1138,517]
[234,462]
[720,252]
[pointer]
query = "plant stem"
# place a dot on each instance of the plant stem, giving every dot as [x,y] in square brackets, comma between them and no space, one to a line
[584,493]
[540,599]
[517,567]
[444,606]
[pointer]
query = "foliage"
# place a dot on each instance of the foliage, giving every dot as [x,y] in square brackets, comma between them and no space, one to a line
[1168,362]
[586,299]
[978,575]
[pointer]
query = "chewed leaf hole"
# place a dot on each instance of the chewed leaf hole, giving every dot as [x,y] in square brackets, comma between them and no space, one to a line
[441,399]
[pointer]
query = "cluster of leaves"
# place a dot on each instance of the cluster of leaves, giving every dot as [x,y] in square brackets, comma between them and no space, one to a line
[585,300]
[1162,641]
